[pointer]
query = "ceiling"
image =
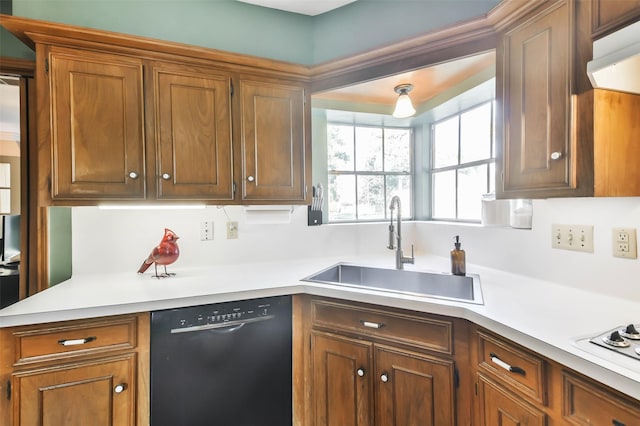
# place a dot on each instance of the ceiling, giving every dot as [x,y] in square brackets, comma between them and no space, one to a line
[427,83]
[304,7]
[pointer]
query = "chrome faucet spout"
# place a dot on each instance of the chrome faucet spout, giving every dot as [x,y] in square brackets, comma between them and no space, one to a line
[400,258]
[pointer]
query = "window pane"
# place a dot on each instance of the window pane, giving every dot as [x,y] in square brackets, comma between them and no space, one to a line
[444,190]
[342,197]
[400,186]
[5,175]
[475,134]
[397,150]
[368,149]
[5,201]
[472,183]
[445,143]
[340,147]
[370,197]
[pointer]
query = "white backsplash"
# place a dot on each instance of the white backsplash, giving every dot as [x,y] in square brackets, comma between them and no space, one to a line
[119,240]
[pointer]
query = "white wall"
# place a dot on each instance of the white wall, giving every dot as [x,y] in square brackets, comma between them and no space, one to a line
[107,240]
[529,252]
[125,238]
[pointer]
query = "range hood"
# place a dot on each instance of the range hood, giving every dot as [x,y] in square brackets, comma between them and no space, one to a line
[616,61]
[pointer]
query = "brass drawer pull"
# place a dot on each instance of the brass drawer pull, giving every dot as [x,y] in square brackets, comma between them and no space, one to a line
[371,324]
[73,342]
[502,364]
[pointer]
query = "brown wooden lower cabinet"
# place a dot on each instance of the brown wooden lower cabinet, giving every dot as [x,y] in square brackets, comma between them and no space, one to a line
[98,393]
[501,407]
[586,404]
[342,377]
[356,381]
[371,365]
[413,388]
[76,373]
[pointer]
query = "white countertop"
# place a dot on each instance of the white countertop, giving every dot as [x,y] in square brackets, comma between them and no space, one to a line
[547,318]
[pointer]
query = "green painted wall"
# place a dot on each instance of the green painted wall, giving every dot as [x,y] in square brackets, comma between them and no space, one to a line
[367,24]
[60,249]
[239,27]
[9,45]
[221,24]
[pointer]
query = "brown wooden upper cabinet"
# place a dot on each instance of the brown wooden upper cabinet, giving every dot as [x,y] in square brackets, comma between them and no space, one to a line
[97,125]
[125,118]
[273,161]
[609,15]
[192,128]
[100,126]
[541,152]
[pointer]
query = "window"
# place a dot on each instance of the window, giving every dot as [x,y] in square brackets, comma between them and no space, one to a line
[367,166]
[462,163]
[5,188]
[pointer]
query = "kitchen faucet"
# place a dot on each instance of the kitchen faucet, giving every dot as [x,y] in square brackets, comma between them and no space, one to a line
[400,259]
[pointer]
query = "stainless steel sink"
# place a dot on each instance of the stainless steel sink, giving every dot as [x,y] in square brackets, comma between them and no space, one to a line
[417,283]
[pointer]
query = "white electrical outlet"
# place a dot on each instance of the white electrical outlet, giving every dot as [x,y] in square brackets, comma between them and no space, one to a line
[624,243]
[232,230]
[206,230]
[572,237]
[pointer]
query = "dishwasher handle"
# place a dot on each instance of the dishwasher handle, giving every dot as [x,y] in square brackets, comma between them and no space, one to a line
[228,326]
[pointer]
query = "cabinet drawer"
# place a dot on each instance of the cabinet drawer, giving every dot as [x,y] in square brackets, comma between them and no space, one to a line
[424,332]
[519,370]
[72,339]
[588,405]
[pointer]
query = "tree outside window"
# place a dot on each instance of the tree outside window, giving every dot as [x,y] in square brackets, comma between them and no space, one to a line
[367,166]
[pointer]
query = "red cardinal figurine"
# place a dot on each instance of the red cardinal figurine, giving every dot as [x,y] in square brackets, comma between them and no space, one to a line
[164,254]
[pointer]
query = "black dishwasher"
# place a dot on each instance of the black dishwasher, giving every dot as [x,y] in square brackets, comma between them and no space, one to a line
[222,364]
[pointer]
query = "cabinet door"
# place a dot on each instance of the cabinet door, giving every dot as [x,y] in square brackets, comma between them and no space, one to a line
[272,138]
[609,15]
[500,407]
[413,389]
[77,395]
[586,404]
[342,381]
[96,125]
[534,90]
[193,133]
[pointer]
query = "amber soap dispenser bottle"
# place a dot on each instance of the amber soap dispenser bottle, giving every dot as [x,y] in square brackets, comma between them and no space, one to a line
[458,261]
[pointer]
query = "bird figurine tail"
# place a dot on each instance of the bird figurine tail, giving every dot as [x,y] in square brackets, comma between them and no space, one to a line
[163,254]
[144,267]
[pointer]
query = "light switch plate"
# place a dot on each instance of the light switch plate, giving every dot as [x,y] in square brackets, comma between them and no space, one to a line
[572,237]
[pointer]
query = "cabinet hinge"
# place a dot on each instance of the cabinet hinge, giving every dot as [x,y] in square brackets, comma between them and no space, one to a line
[9,390]
[46,65]
[456,378]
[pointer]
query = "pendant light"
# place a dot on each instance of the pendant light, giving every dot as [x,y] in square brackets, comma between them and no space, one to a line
[404,106]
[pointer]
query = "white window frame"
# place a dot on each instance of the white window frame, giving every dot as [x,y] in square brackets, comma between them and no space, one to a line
[408,211]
